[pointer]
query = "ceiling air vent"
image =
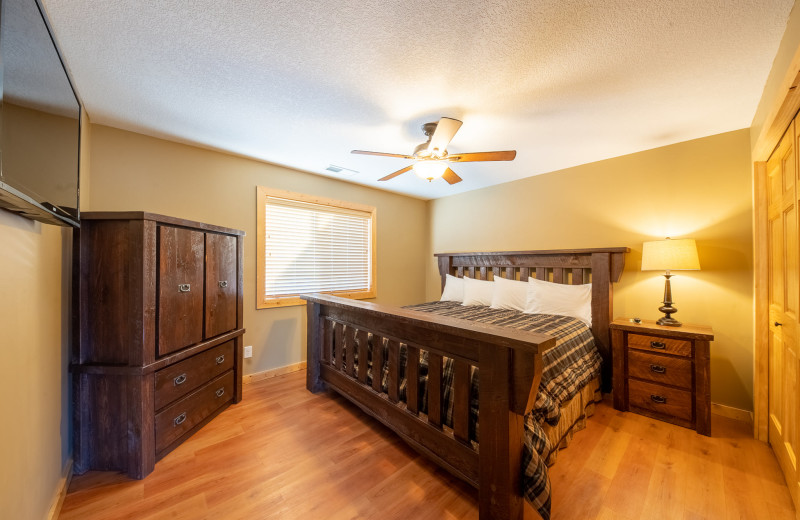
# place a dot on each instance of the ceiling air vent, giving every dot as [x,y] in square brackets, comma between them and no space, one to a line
[341,170]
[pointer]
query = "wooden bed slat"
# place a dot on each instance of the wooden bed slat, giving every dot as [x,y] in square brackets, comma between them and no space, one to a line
[327,341]
[363,364]
[484,273]
[412,380]
[511,273]
[377,363]
[338,344]
[350,351]
[577,276]
[558,275]
[460,272]
[496,272]
[524,273]
[394,370]
[541,273]
[435,389]
[461,391]
[471,270]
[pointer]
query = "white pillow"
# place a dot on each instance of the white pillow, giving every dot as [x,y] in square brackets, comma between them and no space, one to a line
[509,294]
[561,299]
[478,292]
[453,289]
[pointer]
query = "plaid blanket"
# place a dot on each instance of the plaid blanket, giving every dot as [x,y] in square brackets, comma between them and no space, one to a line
[568,367]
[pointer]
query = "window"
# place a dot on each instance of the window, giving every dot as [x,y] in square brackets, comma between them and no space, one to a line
[311,244]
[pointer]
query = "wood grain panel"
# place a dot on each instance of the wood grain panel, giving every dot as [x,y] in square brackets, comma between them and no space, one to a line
[435,389]
[180,288]
[221,284]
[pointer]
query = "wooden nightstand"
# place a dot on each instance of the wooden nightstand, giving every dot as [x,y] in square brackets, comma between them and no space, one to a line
[663,372]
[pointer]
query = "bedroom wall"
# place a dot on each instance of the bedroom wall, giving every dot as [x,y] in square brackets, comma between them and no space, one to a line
[35,440]
[134,172]
[697,189]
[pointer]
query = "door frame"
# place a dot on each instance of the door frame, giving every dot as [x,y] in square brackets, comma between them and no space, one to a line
[780,116]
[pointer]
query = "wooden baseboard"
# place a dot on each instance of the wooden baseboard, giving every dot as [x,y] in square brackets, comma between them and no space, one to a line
[61,492]
[267,374]
[732,413]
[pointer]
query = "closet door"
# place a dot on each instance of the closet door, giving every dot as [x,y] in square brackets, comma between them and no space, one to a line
[784,298]
[180,288]
[221,284]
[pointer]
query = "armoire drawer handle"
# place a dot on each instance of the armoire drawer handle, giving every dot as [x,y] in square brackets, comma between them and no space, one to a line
[220,359]
[220,392]
[179,419]
[660,399]
[778,324]
[223,284]
[658,369]
[184,287]
[660,345]
[179,380]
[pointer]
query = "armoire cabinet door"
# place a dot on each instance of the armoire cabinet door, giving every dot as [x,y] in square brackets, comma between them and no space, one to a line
[180,290]
[221,286]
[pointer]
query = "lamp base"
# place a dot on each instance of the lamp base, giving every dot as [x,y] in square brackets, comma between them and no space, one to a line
[667,308]
[669,322]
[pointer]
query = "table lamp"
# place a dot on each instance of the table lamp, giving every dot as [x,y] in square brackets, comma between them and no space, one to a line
[669,255]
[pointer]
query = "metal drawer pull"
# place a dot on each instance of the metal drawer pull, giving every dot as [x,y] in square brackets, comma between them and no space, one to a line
[660,399]
[220,359]
[658,369]
[179,380]
[220,392]
[658,344]
[179,419]
[184,287]
[223,283]
[777,324]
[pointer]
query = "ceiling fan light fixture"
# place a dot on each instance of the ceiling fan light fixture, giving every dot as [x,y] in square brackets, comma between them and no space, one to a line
[430,170]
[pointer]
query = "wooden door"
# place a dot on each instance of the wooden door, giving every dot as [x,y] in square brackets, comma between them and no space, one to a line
[221,284]
[180,288]
[784,297]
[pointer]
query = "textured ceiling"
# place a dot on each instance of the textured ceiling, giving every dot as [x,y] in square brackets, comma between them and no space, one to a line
[301,83]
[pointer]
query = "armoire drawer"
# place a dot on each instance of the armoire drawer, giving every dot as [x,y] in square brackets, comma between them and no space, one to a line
[185,414]
[179,379]
[660,369]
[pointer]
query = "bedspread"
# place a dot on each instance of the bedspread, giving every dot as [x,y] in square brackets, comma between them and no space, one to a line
[568,367]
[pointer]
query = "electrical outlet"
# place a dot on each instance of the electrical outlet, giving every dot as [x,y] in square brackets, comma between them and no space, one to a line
[248,351]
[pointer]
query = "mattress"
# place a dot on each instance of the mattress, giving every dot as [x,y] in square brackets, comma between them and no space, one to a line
[568,389]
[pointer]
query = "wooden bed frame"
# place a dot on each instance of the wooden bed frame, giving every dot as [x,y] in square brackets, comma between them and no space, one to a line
[510,364]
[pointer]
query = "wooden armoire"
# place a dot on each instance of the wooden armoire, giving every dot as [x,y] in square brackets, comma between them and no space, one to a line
[157,344]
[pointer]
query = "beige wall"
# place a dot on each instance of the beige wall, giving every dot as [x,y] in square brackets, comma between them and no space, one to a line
[35,440]
[698,189]
[133,172]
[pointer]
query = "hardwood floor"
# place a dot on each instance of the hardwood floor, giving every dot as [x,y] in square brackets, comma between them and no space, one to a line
[285,453]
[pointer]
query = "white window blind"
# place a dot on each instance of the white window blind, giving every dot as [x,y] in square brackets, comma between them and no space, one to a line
[312,247]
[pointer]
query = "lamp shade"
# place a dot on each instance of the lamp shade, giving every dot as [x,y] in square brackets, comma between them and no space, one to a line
[667,255]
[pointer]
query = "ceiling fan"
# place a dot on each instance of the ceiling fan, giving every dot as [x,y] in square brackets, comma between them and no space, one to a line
[431,159]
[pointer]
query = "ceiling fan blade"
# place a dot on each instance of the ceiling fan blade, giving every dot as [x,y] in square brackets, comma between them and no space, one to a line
[395,174]
[446,129]
[382,154]
[507,155]
[451,177]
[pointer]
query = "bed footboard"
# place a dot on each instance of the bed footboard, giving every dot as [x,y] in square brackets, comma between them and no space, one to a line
[510,365]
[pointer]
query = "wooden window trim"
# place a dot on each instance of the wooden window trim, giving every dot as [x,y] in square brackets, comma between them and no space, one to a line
[262,302]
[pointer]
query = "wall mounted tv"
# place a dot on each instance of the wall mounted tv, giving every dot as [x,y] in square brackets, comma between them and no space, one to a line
[39,120]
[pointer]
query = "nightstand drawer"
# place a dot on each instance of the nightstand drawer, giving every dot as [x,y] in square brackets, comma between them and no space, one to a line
[660,369]
[678,347]
[661,399]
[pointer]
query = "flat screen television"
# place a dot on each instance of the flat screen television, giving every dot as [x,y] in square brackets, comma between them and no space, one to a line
[39,120]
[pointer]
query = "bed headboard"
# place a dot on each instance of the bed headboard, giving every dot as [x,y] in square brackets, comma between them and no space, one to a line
[602,267]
